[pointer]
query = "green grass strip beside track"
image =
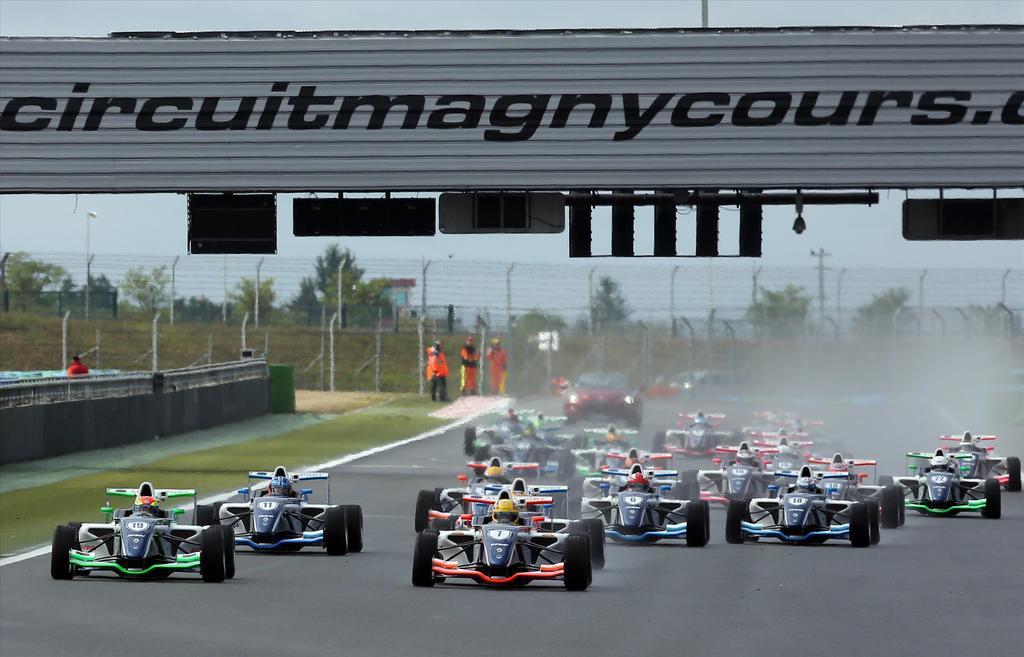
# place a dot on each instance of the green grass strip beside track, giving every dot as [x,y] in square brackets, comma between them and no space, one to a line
[28,515]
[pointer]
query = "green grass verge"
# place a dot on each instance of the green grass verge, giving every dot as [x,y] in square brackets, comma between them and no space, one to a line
[28,516]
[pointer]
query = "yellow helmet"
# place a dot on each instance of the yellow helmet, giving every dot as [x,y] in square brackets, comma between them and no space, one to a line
[505,511]
[493,471]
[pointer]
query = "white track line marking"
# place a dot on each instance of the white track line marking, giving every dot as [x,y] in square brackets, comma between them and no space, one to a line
[348,458]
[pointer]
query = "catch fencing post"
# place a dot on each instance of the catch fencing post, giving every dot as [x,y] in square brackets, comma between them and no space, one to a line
[340,287]
[508,294]
[920,294]
[174,266]
[672,300]
[64,340]
[421,326]
[156,340]
[419,360]
[942,322]
[209,348]
[224,304]
[97,349]
[839,298]
[376,372]
[1002,294]
[266,345]
[256,309]
[323,327]
[334,318]
[693,342]
[245,320]
[481,360]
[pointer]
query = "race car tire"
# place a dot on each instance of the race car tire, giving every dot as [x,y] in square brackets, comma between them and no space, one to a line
[892,502]
[335,531]
[735,514]
[578,573]
[860,525]
[874,512]
[229,551]
[593,528]
[1013,470]
[903,508]
[566,465]
[426,501]
[993,500]
[65,538]
[423,558]
[353,526]
[204,515]
[658,444]
[886,480]
[698,525]
[211,554]
[469,441]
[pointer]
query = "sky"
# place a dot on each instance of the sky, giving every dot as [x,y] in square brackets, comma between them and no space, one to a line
[155,224]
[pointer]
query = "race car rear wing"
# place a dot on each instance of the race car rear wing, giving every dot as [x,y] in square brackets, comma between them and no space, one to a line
[279,471]
[146,489]
[957,439]
[618,472]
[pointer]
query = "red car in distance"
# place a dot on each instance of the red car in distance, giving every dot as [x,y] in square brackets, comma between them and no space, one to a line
[604,394]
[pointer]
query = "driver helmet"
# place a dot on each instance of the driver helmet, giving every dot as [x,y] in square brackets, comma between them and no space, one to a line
[529,430]
[280,487]
[783,433]
[494,471]
[638,481]
[505,512]
[745,457]
[612,435]
[940,462]
[146,505]
[511,415]
[700,419]
[806,485]
[968,439]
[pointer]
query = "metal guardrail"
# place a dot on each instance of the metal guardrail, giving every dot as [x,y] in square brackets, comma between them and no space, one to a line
[62,389]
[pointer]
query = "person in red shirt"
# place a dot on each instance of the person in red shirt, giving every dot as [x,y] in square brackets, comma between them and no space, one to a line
[77,367]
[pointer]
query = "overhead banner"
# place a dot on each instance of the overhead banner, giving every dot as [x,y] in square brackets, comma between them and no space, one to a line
[787,108]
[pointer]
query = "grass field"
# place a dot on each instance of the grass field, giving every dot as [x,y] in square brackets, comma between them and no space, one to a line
[28,516]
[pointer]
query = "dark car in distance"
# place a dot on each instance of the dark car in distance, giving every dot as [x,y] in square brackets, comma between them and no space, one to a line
[604,394]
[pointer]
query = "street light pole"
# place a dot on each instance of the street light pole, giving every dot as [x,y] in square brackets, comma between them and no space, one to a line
[88,258]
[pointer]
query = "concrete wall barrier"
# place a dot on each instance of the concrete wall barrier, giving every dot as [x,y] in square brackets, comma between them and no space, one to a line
[38,431]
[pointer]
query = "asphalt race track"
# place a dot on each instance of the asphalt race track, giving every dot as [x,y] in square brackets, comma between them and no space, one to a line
[935,586]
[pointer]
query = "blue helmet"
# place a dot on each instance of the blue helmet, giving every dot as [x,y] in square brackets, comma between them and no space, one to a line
[280,486]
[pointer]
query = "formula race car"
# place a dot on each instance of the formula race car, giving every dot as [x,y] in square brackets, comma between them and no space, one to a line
[940,490]
[851,487]
[143,541]
[640,512]
[743,476]
[691,437]
[983,463]
[505,549]
[279,517]
[803,514]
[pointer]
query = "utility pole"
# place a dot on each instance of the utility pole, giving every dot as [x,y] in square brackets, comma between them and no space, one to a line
[224,303]
[174,265]
[88,259]
[839,297]
[256,310]
[920,294]
[672,300]
[508,294]
[590,299]
[820,254]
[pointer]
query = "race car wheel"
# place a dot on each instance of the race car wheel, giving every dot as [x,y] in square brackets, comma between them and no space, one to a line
[993,500]
[885,480]
[860,525]
[658,444]
[577,563]
[426,501]
[65,538]
[892,502]
[423,558]
[593,528]
[1013,469]
[903,508]
[874,513]
[229,551]
[735,514]
[697,523]
[212,561]
[335,531]
[469,441]
[204,515]
[354,526]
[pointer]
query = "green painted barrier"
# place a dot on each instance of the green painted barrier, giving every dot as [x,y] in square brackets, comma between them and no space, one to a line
[282,389]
